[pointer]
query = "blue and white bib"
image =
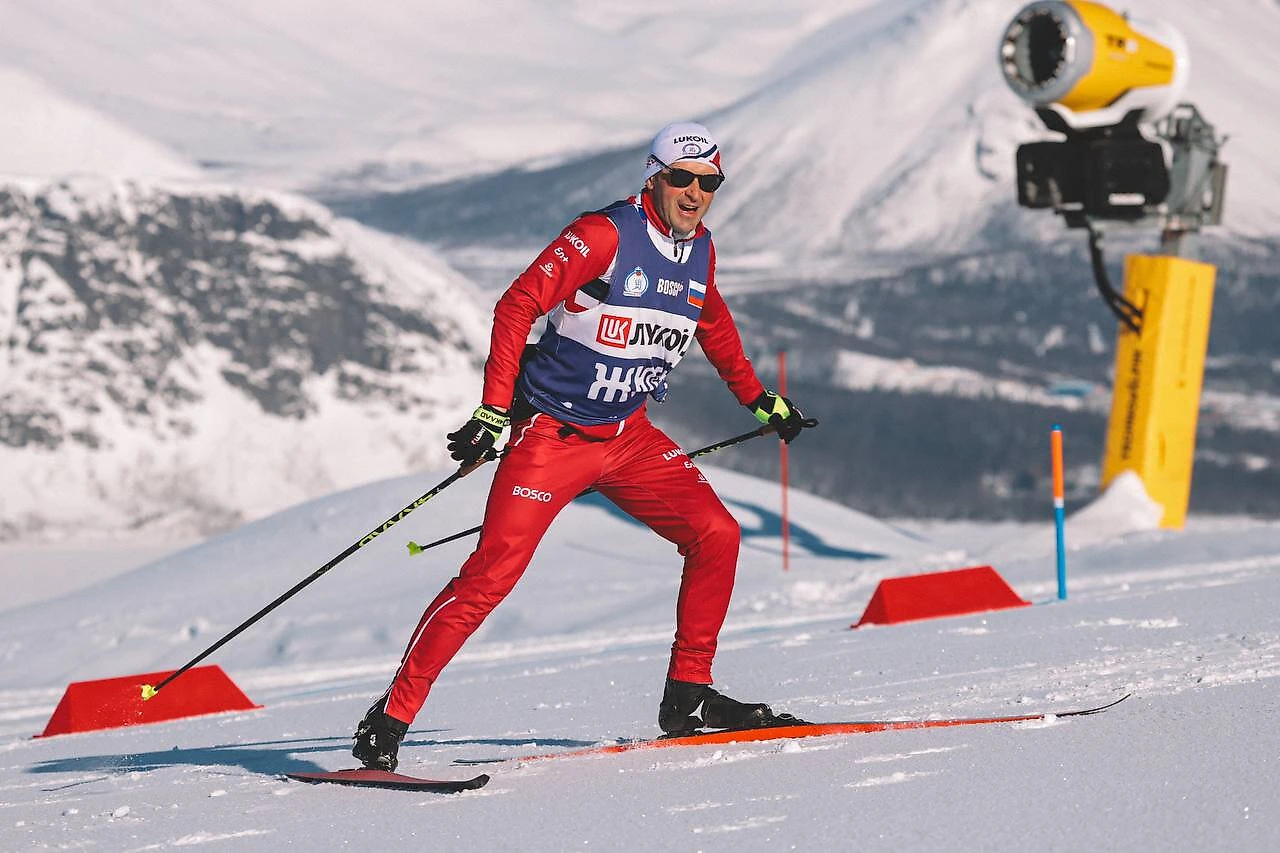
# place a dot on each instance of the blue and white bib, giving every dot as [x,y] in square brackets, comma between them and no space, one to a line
[599,357]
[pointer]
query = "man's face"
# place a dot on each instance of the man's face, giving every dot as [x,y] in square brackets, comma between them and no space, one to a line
[682,208]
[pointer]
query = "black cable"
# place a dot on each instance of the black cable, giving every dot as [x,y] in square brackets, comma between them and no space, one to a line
[1125,311]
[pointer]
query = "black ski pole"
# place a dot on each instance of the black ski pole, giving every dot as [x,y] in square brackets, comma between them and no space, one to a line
[415,548]
[463,470]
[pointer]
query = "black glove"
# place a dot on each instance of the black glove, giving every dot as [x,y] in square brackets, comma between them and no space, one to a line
[769,408]
[477,436]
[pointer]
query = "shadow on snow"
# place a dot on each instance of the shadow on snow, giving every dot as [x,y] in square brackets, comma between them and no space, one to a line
[260,757]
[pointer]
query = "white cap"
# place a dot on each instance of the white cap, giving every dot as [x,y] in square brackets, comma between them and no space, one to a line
[684,140]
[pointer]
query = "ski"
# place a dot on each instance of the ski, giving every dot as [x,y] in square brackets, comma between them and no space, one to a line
[366,778]
[802,730]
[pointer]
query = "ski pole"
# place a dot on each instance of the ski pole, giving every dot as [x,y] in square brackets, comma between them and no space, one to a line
[463,470]
[415,548]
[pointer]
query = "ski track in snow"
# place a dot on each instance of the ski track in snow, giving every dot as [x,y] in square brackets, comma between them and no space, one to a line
[1186,622]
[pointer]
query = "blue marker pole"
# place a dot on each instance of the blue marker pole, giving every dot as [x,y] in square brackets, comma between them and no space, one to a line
[1059,509]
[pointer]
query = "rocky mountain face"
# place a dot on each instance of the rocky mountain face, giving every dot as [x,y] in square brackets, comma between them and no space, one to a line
[178,359]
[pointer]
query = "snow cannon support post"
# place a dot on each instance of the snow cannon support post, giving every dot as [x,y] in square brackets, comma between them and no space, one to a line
[113,703]
[1059,509]
[928,596]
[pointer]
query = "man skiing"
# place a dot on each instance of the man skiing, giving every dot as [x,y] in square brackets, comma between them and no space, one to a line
[627,290]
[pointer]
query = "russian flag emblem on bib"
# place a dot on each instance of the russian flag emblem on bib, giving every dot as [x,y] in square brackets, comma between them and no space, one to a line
[697,293]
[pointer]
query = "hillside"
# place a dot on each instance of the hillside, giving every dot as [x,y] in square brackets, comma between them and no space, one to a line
[175,360]
[852,152]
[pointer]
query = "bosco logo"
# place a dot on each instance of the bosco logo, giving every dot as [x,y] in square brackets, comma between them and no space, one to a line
[531,494]
[614,330]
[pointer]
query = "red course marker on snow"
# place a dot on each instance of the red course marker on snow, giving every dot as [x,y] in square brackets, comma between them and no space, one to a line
[113,703]
[950,593]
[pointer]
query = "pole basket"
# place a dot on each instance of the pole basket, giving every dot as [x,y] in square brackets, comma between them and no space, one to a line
[113,703]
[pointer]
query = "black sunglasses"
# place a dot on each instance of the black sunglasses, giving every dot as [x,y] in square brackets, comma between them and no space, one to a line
[681,178]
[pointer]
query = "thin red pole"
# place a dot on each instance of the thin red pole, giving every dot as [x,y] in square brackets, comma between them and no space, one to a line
[786,519]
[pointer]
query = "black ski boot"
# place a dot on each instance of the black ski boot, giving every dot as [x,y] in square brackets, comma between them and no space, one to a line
[679,702]
[377,738]
[682,699]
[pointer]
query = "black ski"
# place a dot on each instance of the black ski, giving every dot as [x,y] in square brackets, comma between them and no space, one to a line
[364,777]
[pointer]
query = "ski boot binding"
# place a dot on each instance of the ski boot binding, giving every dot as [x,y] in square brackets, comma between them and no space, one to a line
[377,738]
[682,701]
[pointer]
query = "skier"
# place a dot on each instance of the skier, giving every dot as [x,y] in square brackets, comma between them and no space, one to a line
[628,289]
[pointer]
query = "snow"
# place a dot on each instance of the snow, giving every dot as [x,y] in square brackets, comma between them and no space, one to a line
[874,130]
[45,134]
[1185,621]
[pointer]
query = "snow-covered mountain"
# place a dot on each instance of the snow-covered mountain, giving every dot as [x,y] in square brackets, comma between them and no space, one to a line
[870,216]
[849,126]
[293,95]
[868,219]
[179,358]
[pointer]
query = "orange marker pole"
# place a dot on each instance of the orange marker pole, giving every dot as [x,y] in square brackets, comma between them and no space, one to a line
[786,521]
[1059,509]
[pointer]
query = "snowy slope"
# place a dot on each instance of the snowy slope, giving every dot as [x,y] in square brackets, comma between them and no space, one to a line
[381,586]
[271,94]
[45,134]
[1187,622]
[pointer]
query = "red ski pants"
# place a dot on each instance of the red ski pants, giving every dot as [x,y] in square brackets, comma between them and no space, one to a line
[646,475]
